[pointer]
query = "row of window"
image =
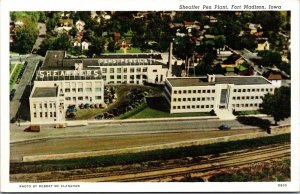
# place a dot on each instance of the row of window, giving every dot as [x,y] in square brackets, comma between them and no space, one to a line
[51,114]
[246,105]
[194,91]
[67,90]
[254,90]
[247,97]
[193,99]
[125,77]
[125,70]
[81,98]
[194,106]
[51,105]
[80,84]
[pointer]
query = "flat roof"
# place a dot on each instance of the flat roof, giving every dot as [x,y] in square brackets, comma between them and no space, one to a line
[202,81]
[55,60]
[44,92]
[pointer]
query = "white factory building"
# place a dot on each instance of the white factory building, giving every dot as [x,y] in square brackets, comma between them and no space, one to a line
[62,82]
[216,92]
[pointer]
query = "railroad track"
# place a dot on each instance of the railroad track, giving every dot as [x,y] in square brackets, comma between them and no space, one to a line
[176,169]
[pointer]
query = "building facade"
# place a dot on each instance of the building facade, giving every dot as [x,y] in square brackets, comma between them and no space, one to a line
[204,94]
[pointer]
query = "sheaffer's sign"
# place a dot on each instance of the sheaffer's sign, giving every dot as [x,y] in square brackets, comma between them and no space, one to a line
[64,73]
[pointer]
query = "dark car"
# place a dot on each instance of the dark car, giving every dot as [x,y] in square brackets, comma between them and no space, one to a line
[224,127]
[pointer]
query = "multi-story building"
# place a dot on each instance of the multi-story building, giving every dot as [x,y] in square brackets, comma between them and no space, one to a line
[214,92]
[62,82]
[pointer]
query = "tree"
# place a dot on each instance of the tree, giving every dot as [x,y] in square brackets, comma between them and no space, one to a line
[25,39]
[97,46]
[278,105]
[269,58]
[50,24]
[112,47]
[73,32]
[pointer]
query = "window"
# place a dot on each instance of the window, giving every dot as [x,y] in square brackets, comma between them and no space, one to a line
[233,98]
[154,70]
[253,90]
[68,98]
[233,105]
[203,99]
[208,98]
[74,98]
[119,77]
[125,76]
[88,89]
[211,106]
[145,69]
[104,77]
[50,105]
[111,70]
[213,91]
[125,70]
[174,99]
[189,91]
[104,70]
[198,99]
[207,106]
[179,99]
[262,89]
[188,107]
[138,69]
[98,97]
[199,91]
[212,98]
[244,90]
[208,91]
[194,91]
[80,98]
[67,90]
[239,90]
[46,114]
[198,106]
[183,107]
[247,97]
[179,91]
[189,99]
[184,91]
[237,105]
[45,105]
[257,90]
[131,77]
[234,90]
[54,114]
[112,77]
[184,99]
[138,76]
[193,99]
[256,97]
[202,106]
[86,98]
[80,89]
[73,89]
[34,114]
[174,107]
[118,70]
[34,105]
[238,98]
[203,91]
[178,107]
[252,97]
[175,92]
[248,90]
[243,97]
[193,106]
[131,70]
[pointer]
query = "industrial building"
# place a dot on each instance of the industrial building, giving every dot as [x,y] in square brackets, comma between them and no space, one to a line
[216,92]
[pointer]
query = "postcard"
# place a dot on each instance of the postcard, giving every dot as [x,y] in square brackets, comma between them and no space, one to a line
[145,96]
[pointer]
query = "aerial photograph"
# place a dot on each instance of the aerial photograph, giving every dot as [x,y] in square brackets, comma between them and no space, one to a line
[150,96]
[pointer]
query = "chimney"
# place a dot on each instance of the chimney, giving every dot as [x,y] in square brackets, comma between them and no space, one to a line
[211,78]
[170,60]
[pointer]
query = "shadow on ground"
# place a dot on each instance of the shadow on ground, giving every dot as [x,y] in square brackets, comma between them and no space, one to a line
[158,103]
[24,111]
[264,124]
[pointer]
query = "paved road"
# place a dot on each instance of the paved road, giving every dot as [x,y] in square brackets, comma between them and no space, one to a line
[33,61]
[40,39]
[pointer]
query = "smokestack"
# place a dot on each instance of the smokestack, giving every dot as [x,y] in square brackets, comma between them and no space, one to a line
[170,60]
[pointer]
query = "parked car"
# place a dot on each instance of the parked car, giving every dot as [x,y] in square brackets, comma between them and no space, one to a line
[224,127]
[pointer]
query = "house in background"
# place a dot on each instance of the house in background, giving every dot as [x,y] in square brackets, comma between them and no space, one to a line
[262,45]
[80,25]
[233,61]
[274,76]
[85,45]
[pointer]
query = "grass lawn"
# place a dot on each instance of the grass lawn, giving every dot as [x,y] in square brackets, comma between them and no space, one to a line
[11,67]
[122,92]
[148,112]
[132,50]
[14,76]
[250,112]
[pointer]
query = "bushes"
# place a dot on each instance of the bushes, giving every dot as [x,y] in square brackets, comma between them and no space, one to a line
[131,158]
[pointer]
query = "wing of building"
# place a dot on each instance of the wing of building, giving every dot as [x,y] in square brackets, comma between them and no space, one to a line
[214,92]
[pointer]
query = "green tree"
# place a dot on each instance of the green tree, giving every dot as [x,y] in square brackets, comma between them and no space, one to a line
[269,58]
[50,24]
[112,47]
[97,46]
[278,105]
[25,39]
[73,32]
